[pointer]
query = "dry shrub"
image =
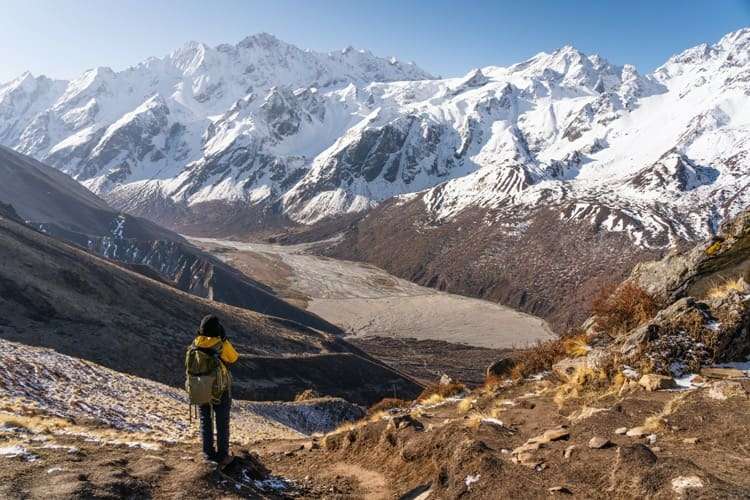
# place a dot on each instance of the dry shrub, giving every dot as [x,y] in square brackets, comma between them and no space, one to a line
[384,405]
[576,346]
[306,395]
[538,358]
[724,289]
[590,383]
[623,308]
[441,390]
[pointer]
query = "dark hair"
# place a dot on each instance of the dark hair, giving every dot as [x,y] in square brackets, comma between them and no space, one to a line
[210,327]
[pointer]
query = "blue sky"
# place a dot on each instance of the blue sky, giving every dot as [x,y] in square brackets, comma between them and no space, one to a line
[62,38]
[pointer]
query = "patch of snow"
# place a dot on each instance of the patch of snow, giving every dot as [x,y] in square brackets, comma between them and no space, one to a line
[493,421]
[18,451]
[686,381]
[471,479]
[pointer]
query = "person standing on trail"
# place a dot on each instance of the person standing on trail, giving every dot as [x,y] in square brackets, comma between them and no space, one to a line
[209,386]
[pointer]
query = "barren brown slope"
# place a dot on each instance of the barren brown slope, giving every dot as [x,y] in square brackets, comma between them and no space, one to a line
[61,207]
[55,295]
[550,267]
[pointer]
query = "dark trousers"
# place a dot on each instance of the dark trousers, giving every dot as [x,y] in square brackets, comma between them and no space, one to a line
[220,415]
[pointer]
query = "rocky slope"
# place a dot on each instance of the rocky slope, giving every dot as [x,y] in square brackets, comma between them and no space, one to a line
[55,295]
[59,206]
[649,400]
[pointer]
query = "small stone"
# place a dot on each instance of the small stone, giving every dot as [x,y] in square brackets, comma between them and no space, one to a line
[653,382]
[693,440]
[446,380]
[636,432]
[621,430]
[569,451]
[655,449]
[651,438]
[598,443]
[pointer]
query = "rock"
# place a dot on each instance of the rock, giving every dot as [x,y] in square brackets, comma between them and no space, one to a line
[537,442]
[551,435]
[598,443]
[726,389]
[569,451]
[566,368]
[527,459]
[681,484]
[446,380]
[692,440]
[722,373]
[500,368]
[651,438]
[621,430]
[653,382]
[636,432]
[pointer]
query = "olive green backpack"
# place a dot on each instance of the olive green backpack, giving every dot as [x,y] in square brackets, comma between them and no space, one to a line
[206,379]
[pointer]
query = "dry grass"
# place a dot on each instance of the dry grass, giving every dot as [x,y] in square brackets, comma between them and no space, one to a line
[725,288]
[658,421]
[442,390]
[466,405]
[576,346]
[538,358]
[433,399]
[619,310]
[306,395]
[387,404]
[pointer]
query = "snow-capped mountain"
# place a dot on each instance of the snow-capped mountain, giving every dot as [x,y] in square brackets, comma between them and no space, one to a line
[264,125]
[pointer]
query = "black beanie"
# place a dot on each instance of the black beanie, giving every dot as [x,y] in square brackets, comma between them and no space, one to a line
[210,327]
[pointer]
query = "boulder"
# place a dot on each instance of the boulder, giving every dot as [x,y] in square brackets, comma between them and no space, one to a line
[722,373]
[567,367]
[653,382]
[726,389]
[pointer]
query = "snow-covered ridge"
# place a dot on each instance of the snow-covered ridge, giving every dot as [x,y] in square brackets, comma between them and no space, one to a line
[659,157]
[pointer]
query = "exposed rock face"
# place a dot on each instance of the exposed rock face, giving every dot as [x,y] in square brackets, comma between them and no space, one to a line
[691,331]
[693,272]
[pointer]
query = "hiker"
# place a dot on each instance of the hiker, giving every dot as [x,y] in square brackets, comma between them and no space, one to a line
[209,386]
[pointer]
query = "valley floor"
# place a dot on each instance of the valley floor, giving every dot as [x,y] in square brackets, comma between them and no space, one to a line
[367,301]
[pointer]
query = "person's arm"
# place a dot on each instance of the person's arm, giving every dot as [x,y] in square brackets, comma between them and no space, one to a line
[228,354]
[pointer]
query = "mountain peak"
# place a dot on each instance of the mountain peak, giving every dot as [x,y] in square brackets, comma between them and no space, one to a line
[735,39]
[262,40]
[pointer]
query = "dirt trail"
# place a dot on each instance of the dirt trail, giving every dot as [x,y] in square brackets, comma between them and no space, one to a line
[372,483]
[367,301]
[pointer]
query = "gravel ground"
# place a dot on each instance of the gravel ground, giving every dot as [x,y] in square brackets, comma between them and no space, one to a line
[367,301]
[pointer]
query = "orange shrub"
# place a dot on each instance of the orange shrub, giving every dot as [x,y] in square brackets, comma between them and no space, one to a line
[623,308]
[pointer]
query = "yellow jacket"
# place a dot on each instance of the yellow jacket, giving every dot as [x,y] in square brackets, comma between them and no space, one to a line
[227,353]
